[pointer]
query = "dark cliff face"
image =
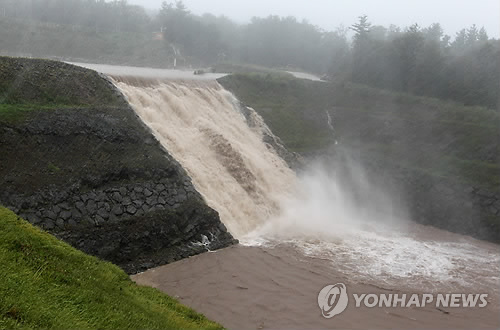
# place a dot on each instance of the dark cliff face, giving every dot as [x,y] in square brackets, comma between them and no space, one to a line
[95,176]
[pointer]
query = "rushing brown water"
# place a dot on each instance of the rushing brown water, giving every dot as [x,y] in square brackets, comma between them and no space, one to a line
[298,233]
[199,124]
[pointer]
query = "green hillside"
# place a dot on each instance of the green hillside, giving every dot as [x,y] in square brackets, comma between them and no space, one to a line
[27,85]
[438,137]
[48,284]
[440,158]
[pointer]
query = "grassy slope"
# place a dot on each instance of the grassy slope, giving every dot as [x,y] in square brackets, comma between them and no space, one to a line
[65,97]
[35,84]
[282,100]
[45,283]
[439,138]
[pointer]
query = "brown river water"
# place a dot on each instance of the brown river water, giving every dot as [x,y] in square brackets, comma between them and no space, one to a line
[298,233]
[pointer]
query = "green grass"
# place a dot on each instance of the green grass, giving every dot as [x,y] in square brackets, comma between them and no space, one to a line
[45,283]
[471,172]
[282,101]
[299,134]
[53,168]
[36,84]
[442,138]
[13,113]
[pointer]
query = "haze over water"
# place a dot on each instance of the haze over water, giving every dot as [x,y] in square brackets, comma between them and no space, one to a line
[263,203]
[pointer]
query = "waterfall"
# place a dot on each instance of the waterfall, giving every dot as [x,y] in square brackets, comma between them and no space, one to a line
[202,127]
[335,211]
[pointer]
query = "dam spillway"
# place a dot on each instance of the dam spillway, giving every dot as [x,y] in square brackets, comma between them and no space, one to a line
[202,125]
[219,142]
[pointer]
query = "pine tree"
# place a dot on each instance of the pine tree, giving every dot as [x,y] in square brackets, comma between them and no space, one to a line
[472,35]
[483,35]
[362,28]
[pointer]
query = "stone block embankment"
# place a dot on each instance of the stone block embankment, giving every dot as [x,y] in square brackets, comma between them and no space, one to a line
[95,175]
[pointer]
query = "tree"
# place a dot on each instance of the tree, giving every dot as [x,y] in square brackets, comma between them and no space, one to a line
[483,35]
[362,28]
[361,49]
[378,32]
[434,32]
[472,36]
[460,41]
[393,32]
[407,47]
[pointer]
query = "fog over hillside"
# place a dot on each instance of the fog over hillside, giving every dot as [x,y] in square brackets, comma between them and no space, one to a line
[252,159]
[329,14]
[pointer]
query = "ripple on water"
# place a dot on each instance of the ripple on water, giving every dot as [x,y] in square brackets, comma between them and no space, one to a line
[392,259]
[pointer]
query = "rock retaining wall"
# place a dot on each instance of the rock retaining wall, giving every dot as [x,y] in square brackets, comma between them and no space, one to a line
[59,210]
[96,177]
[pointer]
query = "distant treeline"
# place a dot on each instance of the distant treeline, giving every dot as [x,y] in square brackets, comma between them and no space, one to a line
[425,61]
[99,15]
[422,61]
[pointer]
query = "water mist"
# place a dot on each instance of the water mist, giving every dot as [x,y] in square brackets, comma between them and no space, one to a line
[332,210]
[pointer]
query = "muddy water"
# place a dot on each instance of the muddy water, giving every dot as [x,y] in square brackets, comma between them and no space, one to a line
[298,234]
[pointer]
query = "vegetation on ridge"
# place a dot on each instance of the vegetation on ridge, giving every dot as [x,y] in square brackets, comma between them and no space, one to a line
[441,138]
[422,60]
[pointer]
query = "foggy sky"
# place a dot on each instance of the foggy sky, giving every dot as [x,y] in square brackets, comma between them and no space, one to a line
[329,14]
